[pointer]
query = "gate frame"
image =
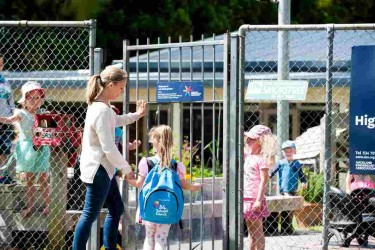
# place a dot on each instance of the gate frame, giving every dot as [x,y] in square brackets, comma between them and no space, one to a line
[225,42]
[236,239]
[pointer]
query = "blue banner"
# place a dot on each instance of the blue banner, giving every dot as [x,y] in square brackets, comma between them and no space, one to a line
[179,92]
[362,111]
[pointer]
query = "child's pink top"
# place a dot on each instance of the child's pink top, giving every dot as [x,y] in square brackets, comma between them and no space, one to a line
[253,165]
[143,168]
[361,181]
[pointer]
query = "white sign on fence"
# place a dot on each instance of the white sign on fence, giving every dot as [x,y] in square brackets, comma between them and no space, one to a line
[290,90]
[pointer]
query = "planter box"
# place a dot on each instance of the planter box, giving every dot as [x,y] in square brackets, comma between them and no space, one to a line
[310,215]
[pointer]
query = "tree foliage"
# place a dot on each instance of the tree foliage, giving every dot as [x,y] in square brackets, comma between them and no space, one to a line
[132,19]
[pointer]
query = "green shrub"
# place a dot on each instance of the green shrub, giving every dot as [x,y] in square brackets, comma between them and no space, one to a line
[315,188]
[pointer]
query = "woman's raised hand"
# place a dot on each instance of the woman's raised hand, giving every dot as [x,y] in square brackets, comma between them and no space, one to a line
[141,108]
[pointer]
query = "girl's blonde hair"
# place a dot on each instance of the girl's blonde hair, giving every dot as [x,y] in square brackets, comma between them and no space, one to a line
[97,83]
[162,135]
[268,151]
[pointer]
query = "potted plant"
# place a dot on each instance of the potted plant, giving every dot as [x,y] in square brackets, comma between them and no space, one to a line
[312,212]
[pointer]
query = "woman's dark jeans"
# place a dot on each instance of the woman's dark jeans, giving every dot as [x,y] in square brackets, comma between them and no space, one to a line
[100,191]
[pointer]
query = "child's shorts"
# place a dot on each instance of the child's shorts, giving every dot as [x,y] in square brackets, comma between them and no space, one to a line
[30,160]
[249,214]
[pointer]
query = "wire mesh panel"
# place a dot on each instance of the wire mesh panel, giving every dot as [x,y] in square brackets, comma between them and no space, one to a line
[303,215]
[197,133]
[46,67]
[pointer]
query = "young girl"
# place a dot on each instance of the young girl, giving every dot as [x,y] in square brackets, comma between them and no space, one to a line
[6,110]
[162,142]
[260,145]
[100,156]
[30,160]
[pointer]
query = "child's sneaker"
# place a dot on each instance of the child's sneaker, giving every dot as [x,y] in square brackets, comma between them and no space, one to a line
[7,180]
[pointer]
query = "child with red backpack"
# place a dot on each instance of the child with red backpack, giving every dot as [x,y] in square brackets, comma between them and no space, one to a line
[161,198]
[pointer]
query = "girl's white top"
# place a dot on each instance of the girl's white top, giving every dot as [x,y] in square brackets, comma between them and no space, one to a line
[25,126]
[98,142]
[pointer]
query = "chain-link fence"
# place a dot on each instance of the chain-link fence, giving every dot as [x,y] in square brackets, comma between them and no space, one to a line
[42,196]
[302,217]
[40,202]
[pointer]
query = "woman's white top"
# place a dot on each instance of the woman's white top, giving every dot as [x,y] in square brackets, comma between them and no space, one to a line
[98,141]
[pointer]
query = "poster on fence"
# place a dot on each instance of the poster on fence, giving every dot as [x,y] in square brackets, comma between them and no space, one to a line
[186,91]
[362,111]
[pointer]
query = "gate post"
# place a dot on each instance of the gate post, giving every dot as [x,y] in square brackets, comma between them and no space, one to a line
[327,133]
[233,145]
[94,240]
[126,221]
[226,136]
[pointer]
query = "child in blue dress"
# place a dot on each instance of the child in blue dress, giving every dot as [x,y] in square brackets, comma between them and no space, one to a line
[30,160]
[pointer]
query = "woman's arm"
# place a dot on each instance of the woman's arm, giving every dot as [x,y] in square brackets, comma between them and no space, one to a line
[101,126]
[11,119]
[125,119]
[138,183]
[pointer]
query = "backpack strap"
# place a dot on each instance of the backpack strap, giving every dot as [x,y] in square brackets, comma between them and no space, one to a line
[150,164]
[173,165]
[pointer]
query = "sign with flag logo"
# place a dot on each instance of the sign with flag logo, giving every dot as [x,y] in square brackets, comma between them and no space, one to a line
[187,91]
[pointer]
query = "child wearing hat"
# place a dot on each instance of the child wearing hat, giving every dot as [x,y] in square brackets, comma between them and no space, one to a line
[260,151]
[30,160]
[290,172]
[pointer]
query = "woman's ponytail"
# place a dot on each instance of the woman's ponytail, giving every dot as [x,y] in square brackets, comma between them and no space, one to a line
[93,89]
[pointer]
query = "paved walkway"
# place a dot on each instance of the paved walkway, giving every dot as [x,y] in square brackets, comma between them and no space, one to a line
[301,241]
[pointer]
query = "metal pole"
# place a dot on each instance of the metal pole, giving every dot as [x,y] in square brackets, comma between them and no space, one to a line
[94,240]
[328,133]
[233,147]
[312,27]
[225,220]
[92,44]
[27,23]
[125,152]
[283,72]
[241,114]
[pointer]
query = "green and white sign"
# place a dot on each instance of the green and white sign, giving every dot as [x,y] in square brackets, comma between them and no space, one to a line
[277,90]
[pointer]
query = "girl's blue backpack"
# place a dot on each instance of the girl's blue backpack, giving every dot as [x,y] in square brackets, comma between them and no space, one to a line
[161,199]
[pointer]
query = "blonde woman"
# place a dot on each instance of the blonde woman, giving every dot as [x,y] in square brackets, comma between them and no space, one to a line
[100,156]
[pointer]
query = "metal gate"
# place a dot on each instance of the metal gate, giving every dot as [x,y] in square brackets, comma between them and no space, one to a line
[321,55]
[198,128]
